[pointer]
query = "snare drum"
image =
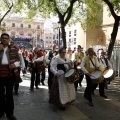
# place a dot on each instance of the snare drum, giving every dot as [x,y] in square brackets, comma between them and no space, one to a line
[97,77]
[40,66]
[71,76]
[109,75]
[79,70]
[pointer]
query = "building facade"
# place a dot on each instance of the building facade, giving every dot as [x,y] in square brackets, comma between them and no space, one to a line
[48,38]
[17,27]
[75,36]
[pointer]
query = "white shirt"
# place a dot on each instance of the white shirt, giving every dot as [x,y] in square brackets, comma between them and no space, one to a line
[103,63]
[47,56]
[22,63]
[5,59]
[57,60]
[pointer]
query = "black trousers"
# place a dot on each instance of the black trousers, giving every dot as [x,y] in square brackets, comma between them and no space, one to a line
[35,78]
[101,87]
[87,93]
[16,85]
[6,95]
[50,77]
[43,76]
[26,64]
[79,81]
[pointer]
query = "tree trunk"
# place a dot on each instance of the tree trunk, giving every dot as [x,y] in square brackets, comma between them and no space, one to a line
[113,37]
[63,36]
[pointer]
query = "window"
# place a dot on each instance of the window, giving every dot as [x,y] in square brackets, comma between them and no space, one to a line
[29,26]
[57,36]
[53,36]
[13,24]
[49,37]
[38,37]
[29,34]
[21,25]
[74,24]
[4,24]
[75,32]
[70,40]
[38,27]
[69,33]
[46,37]
[74,41]
[60,42]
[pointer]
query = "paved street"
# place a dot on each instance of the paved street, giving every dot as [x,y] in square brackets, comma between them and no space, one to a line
[35,106]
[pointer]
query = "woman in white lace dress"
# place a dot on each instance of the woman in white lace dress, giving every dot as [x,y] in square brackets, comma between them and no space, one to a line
[62,92]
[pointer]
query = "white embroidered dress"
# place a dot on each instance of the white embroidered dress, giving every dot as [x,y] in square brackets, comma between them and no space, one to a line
[66,90]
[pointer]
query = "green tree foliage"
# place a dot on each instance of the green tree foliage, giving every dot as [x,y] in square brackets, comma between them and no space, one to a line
[5,8]
[114,8]
[64,9]
[86,11]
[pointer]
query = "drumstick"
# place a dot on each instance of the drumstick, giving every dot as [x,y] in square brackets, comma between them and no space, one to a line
[67,63]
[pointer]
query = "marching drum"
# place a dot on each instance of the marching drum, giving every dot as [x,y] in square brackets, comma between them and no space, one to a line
[97,77]
[40,66]
[79,70]
[109,75]
[71,76]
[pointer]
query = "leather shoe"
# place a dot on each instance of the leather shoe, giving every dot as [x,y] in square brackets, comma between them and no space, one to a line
[93,93]
[11,117]
[90,103]
[16,93]
[43,83]
[37,87]
[62,108]
[1,115]
[104,96]
[31,89]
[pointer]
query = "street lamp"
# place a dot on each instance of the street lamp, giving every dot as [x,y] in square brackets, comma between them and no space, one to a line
[59,26]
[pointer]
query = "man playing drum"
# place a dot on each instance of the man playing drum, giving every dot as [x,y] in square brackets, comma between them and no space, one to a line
[104,65]
[78,59]
[88,65]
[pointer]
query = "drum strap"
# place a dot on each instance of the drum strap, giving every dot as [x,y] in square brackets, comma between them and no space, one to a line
[106,62]
[92,62]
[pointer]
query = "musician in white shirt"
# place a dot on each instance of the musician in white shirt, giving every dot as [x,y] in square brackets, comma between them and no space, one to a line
[104,65]
[88,65]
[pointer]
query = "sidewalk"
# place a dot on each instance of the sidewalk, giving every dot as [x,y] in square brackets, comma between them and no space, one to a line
[35,106]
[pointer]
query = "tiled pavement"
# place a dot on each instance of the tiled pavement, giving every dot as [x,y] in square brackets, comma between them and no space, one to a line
[35,106]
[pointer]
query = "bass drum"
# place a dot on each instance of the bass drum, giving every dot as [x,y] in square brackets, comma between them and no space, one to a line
[109,75]
[97,77]
[71,76]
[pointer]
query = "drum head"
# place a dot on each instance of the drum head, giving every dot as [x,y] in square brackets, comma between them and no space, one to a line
[96,74]
[108,73]
[69,72]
